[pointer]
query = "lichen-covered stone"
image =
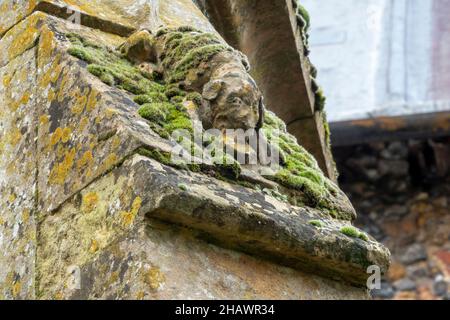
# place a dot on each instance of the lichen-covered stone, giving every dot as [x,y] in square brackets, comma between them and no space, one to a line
[18,170]
[91,227]
[93,207]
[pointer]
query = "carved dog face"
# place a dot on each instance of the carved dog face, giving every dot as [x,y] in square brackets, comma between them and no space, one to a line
[234,102]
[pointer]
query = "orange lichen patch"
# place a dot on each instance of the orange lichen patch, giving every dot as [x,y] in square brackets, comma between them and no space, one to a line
[45,46]
[92,100]
[94,246]
[66,133]
[31,6]
[24,38]
[53,72]
[86,160]
[63,88]
[84,6]
[90,201]
[26,215]
[14,137]
[110,161]
[16,288]
[7,80]
[12,197]
[56,136]
[51,95]
[83,123]
[80,102]
[140,295]
[61,170]
[154,278]
[128,217]
[22,101]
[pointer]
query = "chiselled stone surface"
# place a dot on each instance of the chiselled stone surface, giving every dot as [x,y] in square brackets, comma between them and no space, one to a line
[17,176]
[116,16]
[101,231]
[88,194]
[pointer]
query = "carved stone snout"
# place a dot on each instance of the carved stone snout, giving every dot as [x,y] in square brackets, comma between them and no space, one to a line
[140,47]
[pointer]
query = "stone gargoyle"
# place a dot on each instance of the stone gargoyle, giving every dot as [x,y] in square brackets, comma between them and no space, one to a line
[181,77]
[231,98]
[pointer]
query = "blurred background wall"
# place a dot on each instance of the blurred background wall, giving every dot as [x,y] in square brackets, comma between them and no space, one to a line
[385,69]
[382,57]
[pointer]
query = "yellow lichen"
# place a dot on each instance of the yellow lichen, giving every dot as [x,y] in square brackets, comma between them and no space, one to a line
[16,288]
[51,95]
[44,119]
[7,80]
[14,136]
[23,40]
[92,101]
[22,101]
[26,215]
[85,160]
[94,246]
[61,170]
[56,136]
[154,278]
[66,135]
[90,201]
[110,161]
[45,46]
[83,123]
[12,197]
[80,103]
[128,217]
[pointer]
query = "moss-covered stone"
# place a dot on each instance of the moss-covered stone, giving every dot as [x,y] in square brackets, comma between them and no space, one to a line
[316,223]
[354,233]
[299,170]
[185,49]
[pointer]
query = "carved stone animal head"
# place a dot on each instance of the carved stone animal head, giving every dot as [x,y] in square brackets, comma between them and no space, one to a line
[232,102]
[139,47]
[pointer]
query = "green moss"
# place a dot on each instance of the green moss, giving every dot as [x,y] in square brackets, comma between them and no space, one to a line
[186,48]
[82,54]
[350,232]
[316,223]
[229,168]
[363,236]
[159,156]
[320,100]
[154,112]
[326,128]
[305,17]
[173,91]
[299,170]
[152,97]
[183,186]
[354,233]
[102,73]
[195,97]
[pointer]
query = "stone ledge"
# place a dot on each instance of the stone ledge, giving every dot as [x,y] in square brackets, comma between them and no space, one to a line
[120,17]
[249,221]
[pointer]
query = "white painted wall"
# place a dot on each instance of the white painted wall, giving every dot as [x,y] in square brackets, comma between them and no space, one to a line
[374,56]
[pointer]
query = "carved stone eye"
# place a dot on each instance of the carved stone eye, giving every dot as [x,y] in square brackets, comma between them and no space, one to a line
[234,100]
[237,100]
